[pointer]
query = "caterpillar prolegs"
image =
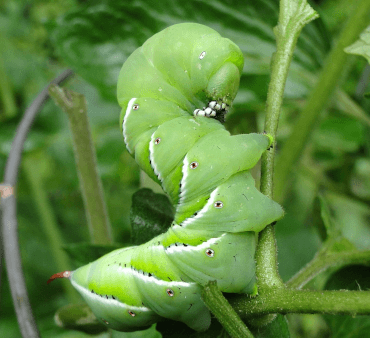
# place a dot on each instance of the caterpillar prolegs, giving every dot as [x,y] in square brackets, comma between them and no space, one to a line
[174,92]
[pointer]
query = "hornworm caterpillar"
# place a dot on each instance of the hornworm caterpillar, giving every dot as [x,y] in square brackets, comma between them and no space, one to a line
[174,92]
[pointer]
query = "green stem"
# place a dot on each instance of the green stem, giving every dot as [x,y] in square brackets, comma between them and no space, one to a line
[328,81]
[324,260]
[303,301]
[293,16]
[74,105]
[225,314]
[55,239]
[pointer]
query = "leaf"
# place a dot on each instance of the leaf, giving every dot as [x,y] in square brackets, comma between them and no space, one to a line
[352,218]
[361,46]
[148,333]
[151,214]
[79,317]
[174,329]
[98,37]
[355,277]
[360,178]
[340,133]
[324,223]
[84,253]
[278,328]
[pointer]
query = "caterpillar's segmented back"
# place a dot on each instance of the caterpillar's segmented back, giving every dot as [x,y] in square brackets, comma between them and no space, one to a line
[174,92]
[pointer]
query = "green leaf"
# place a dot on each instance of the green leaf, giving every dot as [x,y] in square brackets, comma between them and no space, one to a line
[278,328]
[355,277]
[174,329]
[98,37]
[148,333]
[324,222]
[151,214]
[352,218]
[340,133]
[79,317]
[361,46]
[84,253]
[77,334]
[360,178]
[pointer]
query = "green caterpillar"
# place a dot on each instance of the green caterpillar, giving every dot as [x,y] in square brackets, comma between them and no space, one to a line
[174,92]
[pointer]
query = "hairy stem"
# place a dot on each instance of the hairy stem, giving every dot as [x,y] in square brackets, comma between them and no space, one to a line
[328,81]
[303,301]
[293,16]
[324,260]
[225,314]
[74,105]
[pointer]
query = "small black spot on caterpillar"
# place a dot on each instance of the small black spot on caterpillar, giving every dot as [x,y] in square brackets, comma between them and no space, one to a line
[210,252]
[194,165]
[113,297]
[157,140]
[106,296]
[169,279]
[185,244]
[218,205]
[190,307]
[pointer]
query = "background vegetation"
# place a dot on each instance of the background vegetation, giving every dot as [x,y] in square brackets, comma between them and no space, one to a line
[38,39]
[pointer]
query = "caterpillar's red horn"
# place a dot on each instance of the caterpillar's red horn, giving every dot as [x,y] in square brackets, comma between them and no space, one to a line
[64,274]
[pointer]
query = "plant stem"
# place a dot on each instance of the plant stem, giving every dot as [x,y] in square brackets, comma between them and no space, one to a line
[225,314]
[74,104]
[49,223]
[23,310]
[325,260]
[328,81]
[303,301]
[293,16]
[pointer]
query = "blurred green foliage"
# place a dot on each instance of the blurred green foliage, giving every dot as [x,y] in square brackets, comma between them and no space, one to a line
[40,38]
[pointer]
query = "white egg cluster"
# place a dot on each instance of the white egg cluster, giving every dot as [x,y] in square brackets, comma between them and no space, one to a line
[213,108]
